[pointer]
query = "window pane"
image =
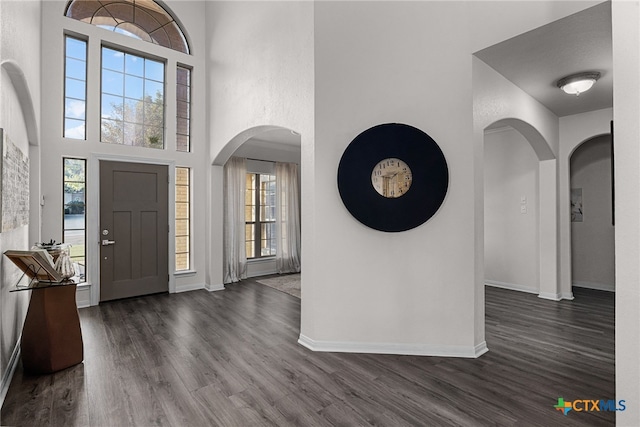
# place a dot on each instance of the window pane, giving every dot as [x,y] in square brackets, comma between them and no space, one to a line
[75,75]
[74,109]
[183,126]
[75,88]
[76,69]
[182,244]
[133,87]
[182,194]
[154,70]
[182,143]
[183,212]
[183,108]
[133,134]
[182,227]
[74,170]
[183,76]
[264,237]
[112,82]
[249,249]
[112,131]
[182,262]
[112,107]
[133,111]
[182,176]
[76,49]
[154,113]
[134,65]
[74,212]
[154,90]
[123,100]
[153,137]
[74,129]
[112,59]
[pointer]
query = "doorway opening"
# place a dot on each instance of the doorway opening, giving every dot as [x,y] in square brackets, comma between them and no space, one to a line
[511,211]
[592,229]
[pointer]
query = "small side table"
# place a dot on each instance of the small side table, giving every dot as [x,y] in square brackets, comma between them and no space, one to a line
[51,335]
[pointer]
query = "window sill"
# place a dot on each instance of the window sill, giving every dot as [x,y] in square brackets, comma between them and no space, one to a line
[184,273]
[261,259]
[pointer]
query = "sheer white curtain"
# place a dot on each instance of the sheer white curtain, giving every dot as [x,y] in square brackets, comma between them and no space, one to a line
[287,218]
[235,256]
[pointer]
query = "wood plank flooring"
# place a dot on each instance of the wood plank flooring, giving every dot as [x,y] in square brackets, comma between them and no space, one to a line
[231,358]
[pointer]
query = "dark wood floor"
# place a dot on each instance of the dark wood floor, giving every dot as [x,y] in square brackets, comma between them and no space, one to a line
[231,359]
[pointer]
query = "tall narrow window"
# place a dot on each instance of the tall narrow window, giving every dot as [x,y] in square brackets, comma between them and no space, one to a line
[260,215]
[75,88]
[183,218]
[183,97]
[74,225]
[132,100]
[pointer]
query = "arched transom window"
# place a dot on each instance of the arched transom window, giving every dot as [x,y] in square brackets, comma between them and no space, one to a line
[141,19]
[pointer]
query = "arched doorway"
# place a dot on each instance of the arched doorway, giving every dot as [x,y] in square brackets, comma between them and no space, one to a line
[519,209]
[267,237]
[592,230]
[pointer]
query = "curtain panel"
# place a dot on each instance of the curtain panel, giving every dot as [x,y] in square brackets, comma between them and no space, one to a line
[235,256]
[287,218]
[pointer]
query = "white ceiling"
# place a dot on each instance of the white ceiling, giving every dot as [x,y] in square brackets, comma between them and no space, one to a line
[273,141]
[536,60]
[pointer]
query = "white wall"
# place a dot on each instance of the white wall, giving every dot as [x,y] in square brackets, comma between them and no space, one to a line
[373,291]
[626,107]
[511,254]
[592,239]
[19,89]
[54,147]
[403,62]
[260,65]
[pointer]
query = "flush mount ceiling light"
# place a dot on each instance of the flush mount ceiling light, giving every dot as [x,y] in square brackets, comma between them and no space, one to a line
[575,84]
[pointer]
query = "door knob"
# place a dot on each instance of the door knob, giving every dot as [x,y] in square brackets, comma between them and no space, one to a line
[108,242]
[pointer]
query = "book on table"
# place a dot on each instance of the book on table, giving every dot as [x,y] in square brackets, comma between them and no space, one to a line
[35,265]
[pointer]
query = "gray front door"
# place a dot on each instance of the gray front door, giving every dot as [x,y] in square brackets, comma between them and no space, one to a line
[133,229]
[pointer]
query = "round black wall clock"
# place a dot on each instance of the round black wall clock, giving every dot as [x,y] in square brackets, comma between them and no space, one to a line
[393,177]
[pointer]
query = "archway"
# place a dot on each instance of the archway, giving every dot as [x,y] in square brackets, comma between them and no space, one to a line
[520,210]
[262,148]
[592,230]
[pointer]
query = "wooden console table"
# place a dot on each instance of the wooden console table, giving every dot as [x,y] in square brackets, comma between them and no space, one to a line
[51,335]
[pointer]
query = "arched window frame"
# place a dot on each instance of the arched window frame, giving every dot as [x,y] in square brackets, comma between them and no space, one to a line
[146,20]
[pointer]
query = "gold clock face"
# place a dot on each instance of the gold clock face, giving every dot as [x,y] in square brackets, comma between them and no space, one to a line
[391,178]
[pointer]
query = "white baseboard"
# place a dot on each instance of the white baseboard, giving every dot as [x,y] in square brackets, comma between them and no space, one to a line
[550,296]
[511,286]
[213,288]
[190,287]
[568,296]
[83,295]
[389,348]
[593,285]
[8,374]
